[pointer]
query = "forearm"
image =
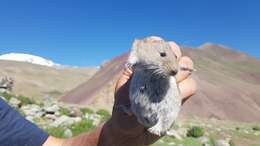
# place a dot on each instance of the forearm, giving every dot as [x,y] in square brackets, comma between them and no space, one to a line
[120,130]
[85,139]
[105,135]
[16,130]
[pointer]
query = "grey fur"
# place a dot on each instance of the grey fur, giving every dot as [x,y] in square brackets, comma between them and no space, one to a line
[154,94]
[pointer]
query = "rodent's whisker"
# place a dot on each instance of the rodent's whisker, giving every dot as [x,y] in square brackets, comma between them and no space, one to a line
[158,71]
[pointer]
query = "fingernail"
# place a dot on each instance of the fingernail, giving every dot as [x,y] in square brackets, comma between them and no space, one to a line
[187,69]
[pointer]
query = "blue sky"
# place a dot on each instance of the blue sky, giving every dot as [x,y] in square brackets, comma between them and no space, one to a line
[85,33]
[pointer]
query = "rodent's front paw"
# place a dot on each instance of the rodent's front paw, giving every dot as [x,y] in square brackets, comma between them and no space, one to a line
[157,130]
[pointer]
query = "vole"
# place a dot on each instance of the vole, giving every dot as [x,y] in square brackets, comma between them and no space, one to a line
[153,92]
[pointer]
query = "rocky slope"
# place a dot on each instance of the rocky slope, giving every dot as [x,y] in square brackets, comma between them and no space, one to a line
[228,85]
[39,81]
[63,120]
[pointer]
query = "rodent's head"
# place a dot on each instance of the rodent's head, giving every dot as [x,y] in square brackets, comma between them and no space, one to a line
[156,55]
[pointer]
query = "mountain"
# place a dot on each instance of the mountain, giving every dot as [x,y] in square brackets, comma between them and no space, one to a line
[27,58]
[228,85]
[45,80]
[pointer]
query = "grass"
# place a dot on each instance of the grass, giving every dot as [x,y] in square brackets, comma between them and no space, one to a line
[64,111]
[56,131]
[104,114]
[86,110]
[25,100]
[76,128]
[82,126]
[168,141]
[195,132]
[240,132]
[256,128]
[231,143]
[6,95]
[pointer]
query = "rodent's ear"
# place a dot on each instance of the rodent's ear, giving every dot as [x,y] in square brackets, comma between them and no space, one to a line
[132,59]
[136,44]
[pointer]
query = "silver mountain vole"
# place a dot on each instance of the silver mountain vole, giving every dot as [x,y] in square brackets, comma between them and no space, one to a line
[154,94]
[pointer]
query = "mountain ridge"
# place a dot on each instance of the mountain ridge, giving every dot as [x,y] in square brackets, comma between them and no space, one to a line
[39,81]
[225,79]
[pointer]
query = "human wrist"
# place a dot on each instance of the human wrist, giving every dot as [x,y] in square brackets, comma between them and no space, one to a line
[107,135]
[53,141]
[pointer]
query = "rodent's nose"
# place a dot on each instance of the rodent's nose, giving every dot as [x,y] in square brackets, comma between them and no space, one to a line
[173,72]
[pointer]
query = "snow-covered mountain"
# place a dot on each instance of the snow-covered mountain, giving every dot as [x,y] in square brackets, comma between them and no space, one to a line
[28,58]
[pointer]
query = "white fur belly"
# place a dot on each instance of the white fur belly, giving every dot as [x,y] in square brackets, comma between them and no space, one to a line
[167,110]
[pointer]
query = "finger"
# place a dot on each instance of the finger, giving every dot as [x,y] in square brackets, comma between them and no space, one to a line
[187,88]
[126,74]
[176,49]
[186,67]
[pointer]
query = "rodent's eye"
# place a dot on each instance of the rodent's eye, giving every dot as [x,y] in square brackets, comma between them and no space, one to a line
[162,54]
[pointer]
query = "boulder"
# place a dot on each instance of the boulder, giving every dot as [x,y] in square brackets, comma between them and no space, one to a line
[2,90]
[3,98]
[51,117]
[94,117]
[174,133]
[204,139]
[75,112]
[62,121]
[182,131]
[67,133]
[51,109]
[14,102]
[221,142]
[29,118]
[65,121]
[32,110]
[171,143]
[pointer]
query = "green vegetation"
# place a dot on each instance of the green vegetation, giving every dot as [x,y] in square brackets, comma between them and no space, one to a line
[104,114]
[56,131]
[237,128]
[80,127]
[195,132]
[76,128]
[231,143]
[256,128]
[190,142]
[6,95]
[211,141]
[64,111]
[22,113]
[240,132]
[168,141]
[25,100]
[86,110]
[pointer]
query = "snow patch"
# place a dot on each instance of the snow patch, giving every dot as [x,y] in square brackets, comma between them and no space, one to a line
[28,58]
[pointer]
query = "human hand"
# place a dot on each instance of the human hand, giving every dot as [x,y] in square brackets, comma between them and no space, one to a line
[124,129]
